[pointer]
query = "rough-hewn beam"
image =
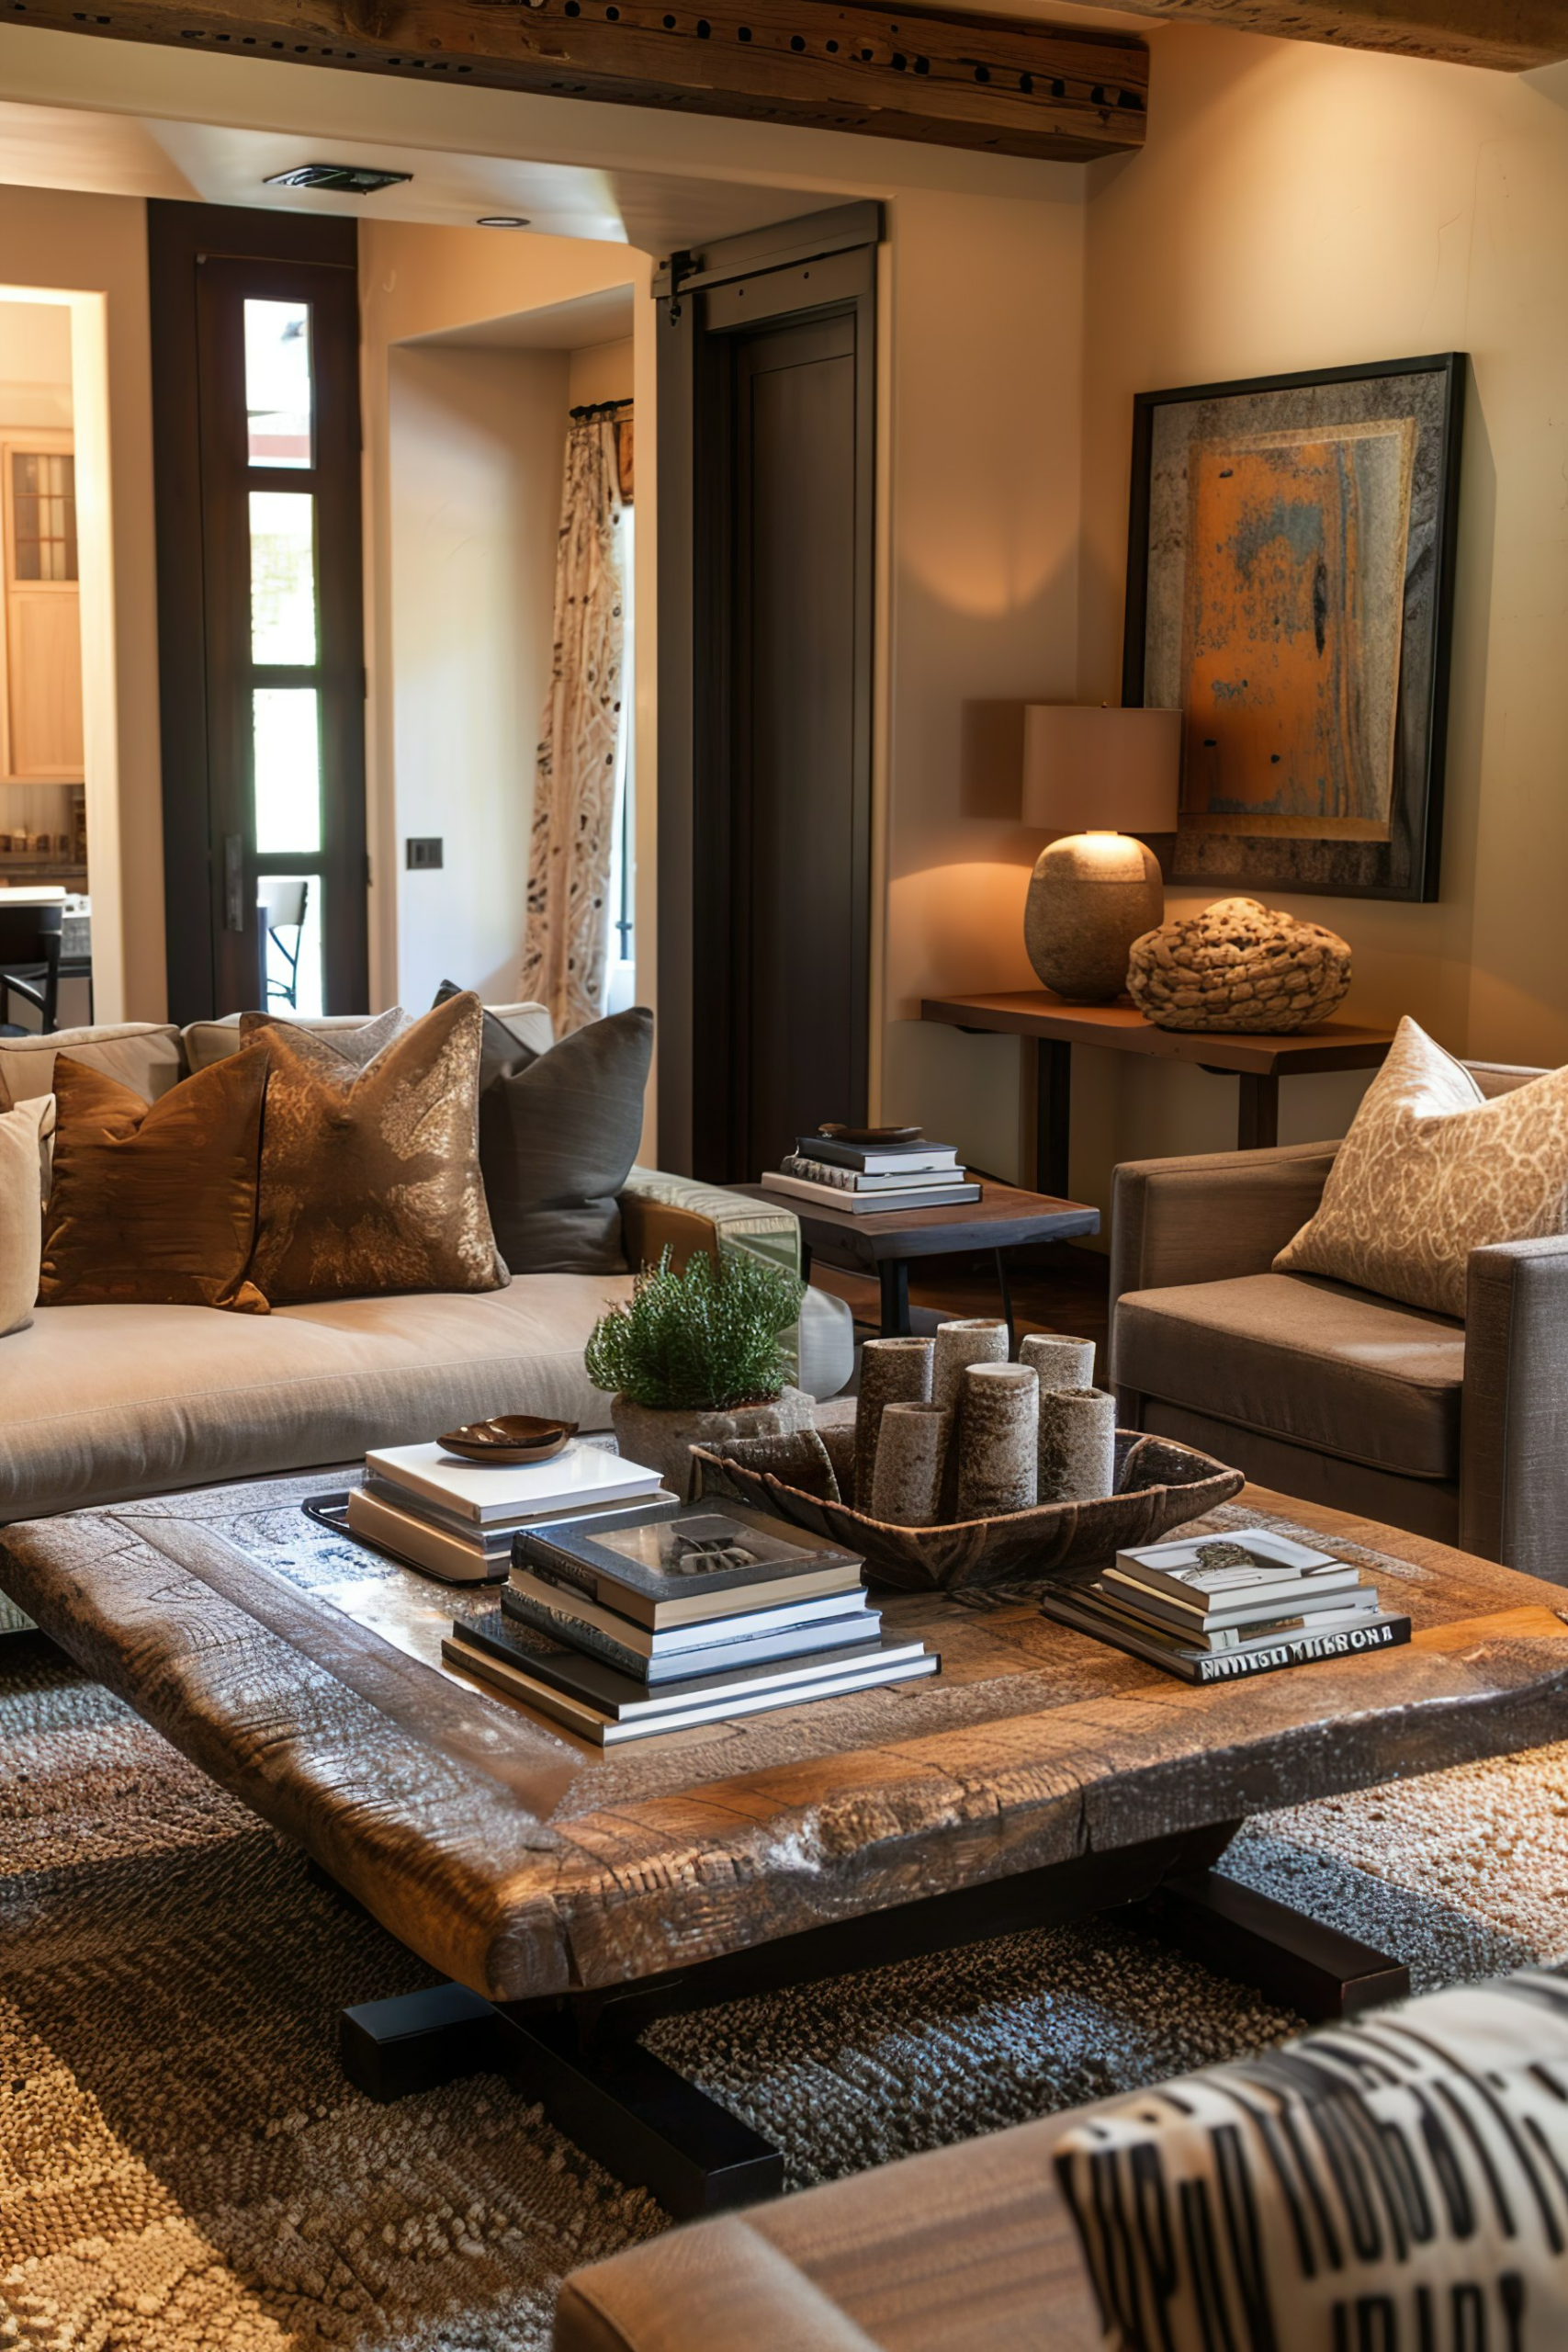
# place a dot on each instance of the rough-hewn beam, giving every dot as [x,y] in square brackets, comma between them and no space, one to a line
[1512,35]
[952,79]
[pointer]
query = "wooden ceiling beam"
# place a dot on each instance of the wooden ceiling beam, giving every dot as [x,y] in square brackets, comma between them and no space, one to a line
[1511,35]
[949,78]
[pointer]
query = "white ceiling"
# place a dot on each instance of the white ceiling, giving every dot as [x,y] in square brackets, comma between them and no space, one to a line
[113,154]
[581,325]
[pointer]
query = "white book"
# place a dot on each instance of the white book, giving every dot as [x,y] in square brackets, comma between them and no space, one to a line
[917,1196]
[486,1492]
[806,1170]
[566,1605]
[439,1550]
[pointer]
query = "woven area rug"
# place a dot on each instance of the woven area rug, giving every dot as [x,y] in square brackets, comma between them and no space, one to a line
[183,2168]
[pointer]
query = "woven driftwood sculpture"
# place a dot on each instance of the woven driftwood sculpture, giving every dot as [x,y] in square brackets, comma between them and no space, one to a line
[1238,966]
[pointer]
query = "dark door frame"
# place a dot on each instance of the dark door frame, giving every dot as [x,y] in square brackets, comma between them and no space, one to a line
[823,264]
[196,676]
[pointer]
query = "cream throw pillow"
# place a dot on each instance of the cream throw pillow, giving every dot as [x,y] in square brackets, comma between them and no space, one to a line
[22,1134]
[1431,1170]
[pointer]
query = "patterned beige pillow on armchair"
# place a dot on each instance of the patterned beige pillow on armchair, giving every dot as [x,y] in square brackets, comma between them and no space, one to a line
[1431,1170]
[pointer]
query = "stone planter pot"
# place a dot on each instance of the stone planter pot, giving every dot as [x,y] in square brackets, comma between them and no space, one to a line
[662,1440]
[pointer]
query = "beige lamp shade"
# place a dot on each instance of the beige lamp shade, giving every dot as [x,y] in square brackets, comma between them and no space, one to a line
[1087,769]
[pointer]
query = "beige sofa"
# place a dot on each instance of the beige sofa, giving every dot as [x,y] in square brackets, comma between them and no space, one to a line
[98,1404]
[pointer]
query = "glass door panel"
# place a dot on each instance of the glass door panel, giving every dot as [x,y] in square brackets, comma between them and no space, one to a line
[278,388]
[282,578]
[286,735]
[288,909]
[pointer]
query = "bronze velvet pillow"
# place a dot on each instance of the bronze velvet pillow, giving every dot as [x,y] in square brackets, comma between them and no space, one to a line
[371,1175]
[154,1205]
[558,1133]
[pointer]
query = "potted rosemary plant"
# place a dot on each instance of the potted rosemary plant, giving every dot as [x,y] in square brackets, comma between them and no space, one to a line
[695,1356]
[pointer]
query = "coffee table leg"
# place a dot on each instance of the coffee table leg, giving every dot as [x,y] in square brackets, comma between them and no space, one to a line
[1295,1961]
[622,2105]
[894,1277]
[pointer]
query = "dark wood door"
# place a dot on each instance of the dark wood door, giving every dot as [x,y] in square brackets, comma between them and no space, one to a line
[260,570]
[766,457]
[799,939]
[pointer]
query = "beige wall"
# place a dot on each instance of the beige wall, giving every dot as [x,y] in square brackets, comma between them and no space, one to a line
[603,372]
[35,364]
[454,728]
[1299,207]
[96,246]
[476,440]
[982,455]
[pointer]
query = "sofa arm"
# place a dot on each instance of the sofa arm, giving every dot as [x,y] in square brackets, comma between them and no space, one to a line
[1211,1217]
[660,1212]
[1513,1416]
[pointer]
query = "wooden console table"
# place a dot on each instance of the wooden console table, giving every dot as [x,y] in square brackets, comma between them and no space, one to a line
[1261,1060]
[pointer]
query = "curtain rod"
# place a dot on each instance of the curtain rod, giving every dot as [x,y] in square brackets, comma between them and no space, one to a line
[597,408]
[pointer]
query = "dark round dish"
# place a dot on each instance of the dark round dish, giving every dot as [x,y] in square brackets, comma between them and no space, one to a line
[870,1135]
[509,1437]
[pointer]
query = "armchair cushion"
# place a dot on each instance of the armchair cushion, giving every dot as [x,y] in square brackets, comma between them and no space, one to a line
[1432,1170]
[1315,1362]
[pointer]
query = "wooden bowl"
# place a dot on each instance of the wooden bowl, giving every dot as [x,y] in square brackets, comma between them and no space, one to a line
[1160,1485]
[509,1437]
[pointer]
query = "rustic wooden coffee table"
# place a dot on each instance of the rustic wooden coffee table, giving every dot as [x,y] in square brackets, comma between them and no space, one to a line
[571,1895]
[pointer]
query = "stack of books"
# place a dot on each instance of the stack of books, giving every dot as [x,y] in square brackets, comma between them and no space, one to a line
[665,1618]
[1214,1609]
[456,1520]
[865,1178]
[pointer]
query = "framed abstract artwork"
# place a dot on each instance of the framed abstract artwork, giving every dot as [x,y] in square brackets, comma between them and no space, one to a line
[1290,589]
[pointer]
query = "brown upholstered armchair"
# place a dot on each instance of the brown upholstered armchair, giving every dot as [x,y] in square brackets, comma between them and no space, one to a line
[1454,1429]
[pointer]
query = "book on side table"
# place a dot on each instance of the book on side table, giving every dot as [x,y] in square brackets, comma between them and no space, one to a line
[662,1619]
[1218,1609]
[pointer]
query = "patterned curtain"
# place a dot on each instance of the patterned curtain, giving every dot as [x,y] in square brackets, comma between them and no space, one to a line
[574,789]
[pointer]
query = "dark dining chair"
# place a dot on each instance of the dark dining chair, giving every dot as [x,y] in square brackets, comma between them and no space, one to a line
[29,962]
[283,908]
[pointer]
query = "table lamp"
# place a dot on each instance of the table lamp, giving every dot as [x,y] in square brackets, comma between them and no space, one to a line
[1095,778]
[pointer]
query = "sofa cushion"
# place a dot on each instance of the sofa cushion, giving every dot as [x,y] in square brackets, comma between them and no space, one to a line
[558,1134]
[1314,1361]
[102,1403]
[1432,1170]
[369,1165]
[1395,2180]
[22,1133]
[209,1041]
[143,1054]
[155,1203]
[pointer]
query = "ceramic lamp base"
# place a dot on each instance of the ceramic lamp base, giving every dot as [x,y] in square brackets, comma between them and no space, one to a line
[1090,896]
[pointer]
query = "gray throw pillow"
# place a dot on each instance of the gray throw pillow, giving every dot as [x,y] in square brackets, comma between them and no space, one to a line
[558,1134]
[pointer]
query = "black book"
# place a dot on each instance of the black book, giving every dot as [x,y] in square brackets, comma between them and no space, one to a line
[622,1698]
[677,1563]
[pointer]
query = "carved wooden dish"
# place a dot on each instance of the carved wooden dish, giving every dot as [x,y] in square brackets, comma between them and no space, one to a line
[508,1438]
[804,1478]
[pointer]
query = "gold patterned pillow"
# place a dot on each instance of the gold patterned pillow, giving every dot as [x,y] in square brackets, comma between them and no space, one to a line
[369,1163]
[1431,1170]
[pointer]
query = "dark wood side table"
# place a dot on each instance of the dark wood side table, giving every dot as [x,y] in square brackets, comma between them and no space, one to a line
[1001,1219]
[1261,1060]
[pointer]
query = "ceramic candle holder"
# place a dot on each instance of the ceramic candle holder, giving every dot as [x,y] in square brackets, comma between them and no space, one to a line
[1077,1445]
[892,1372]
[1060,1363]
[997,1442]
[976,1339]
[911,1450]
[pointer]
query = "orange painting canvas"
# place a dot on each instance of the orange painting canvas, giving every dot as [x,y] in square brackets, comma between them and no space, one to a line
[1292,628]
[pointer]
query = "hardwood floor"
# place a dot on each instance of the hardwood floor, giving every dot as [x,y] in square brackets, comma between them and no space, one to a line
[1063,1288]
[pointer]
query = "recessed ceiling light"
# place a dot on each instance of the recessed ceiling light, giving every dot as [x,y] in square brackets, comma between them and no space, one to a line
[346,179]
[503,220]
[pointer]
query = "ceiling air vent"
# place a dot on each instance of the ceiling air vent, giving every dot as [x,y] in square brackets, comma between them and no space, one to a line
[343,179]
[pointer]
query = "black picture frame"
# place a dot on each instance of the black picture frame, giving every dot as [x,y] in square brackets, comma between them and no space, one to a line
[1406,865]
